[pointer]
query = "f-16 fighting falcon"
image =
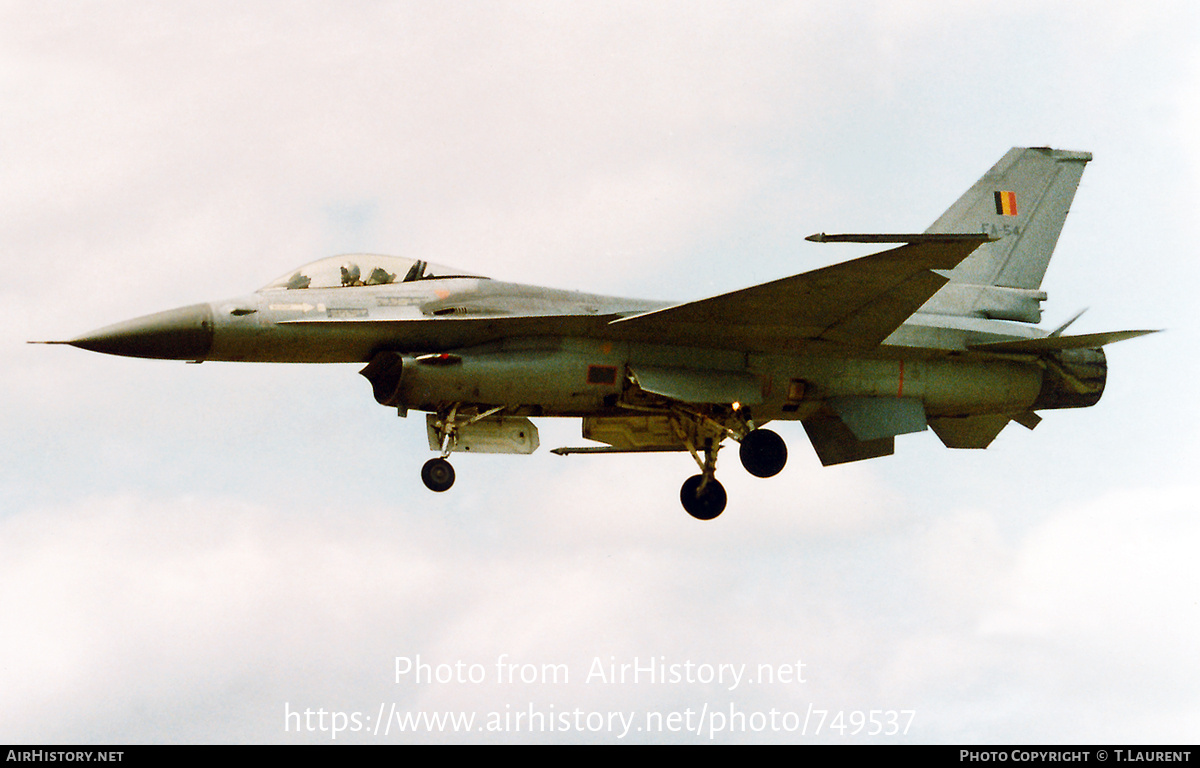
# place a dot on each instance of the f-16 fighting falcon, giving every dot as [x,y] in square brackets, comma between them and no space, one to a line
[938,331]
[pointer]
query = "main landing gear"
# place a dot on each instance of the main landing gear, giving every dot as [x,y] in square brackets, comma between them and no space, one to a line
[763,454]
[703,500]
[702,495]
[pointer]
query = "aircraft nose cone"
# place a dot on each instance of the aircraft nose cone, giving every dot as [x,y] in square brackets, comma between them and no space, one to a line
[177,334]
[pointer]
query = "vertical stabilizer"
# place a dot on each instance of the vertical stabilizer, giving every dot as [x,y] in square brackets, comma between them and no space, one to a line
[1023,200]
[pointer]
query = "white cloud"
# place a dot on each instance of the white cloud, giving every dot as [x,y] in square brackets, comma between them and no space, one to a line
[1114,577]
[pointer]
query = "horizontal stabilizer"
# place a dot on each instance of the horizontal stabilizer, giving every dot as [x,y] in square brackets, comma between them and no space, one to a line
[1054,343]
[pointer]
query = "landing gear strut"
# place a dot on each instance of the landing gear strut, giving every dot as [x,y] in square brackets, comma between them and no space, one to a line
[702,496]
[437,474]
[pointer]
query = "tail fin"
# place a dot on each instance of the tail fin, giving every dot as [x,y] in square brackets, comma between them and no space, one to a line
[1023,200]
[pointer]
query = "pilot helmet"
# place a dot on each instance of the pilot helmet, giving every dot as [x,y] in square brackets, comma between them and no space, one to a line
[350,273]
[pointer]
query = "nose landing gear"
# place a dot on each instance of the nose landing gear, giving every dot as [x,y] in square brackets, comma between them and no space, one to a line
[438,475]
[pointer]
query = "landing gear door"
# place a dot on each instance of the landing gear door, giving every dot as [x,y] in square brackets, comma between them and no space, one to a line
[497,434]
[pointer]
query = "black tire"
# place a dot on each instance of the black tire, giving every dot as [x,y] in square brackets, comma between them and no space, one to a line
[438,475]
[704,505]
[763,453]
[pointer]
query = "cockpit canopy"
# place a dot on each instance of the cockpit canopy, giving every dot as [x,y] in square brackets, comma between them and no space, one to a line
[361,269]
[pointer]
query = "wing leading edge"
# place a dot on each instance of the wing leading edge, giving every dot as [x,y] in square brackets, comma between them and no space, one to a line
[858,302]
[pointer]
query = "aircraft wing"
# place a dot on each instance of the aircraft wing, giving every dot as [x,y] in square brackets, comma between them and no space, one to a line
[859,302]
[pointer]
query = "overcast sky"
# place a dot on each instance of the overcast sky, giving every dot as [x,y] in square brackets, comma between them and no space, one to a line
[188,553]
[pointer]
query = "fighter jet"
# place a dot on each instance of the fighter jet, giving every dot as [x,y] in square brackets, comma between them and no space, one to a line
[936,332]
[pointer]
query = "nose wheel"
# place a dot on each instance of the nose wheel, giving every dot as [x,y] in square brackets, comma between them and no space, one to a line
[438,475]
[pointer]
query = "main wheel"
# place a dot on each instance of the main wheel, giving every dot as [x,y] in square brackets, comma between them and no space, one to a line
[763,453]
[438,475]
[706,504]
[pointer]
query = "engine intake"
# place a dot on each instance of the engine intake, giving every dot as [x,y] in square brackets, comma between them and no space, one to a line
[384,372]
